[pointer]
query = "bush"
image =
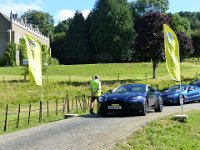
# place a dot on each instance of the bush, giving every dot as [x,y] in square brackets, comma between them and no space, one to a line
[23,50]
[10,55]
[54,61]
[45,55]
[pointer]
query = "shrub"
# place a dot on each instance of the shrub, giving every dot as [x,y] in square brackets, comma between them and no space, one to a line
[45,55]
[54,61]
[10,55]
[23,50]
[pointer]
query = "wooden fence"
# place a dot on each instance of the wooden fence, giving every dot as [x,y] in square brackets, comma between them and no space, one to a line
[46,111]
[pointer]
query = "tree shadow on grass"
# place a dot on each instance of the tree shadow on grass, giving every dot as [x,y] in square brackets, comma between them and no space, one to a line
[15,81]
[103,82]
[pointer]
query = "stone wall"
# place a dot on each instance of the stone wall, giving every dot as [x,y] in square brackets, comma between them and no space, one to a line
[4,33]
[21,29]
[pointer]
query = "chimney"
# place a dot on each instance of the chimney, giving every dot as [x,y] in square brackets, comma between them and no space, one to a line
[11,16]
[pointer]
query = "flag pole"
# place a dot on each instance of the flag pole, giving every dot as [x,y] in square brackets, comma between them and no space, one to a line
[181,117]
[41,101]
[181,100]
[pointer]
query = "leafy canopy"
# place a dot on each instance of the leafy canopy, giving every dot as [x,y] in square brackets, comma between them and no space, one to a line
[111,30]
[44,21]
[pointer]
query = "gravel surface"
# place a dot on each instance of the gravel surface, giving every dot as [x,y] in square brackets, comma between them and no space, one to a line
[90,132]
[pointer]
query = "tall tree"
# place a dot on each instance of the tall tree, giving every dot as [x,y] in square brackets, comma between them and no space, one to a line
[62,26]
[111,30]
[76,49]
[44,21]
[196,43]
[193,17]
[180,24]
[185,45]
[140,7]
[149,41]
[58,40]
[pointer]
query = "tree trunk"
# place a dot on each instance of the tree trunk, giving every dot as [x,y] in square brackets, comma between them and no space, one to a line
[24,76]
[154,69]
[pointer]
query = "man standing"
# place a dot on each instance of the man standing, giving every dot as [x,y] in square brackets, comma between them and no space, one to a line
[95,87]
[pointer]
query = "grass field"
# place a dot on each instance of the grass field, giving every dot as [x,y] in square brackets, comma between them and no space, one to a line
[74,80]
[166,134]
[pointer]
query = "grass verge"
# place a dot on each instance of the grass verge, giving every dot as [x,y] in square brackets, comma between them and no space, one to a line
[165,134]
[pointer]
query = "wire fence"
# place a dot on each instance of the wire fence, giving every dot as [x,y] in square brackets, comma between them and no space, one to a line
[13,117]
[23,116]
[78,78]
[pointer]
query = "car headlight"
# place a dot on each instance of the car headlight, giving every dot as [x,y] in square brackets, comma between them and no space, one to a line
[135,99]
[101,99]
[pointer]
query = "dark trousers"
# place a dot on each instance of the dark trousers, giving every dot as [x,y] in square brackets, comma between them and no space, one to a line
[92,104]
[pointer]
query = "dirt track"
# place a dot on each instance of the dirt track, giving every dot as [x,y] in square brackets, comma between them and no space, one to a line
[82,133]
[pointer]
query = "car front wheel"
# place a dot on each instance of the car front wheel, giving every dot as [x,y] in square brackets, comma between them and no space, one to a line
[180,100]
[145,108]
[159,105]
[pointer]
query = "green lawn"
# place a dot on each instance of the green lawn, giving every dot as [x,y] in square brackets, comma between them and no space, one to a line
[58,81]
[106,71]
[74,79]
[165,134]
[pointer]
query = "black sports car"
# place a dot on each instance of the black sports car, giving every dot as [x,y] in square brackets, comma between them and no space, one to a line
[130,98]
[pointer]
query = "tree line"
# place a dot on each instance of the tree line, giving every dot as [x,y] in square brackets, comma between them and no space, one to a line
[119,31]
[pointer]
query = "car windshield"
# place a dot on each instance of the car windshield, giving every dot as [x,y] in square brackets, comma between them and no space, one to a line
[130,88]
[176,88]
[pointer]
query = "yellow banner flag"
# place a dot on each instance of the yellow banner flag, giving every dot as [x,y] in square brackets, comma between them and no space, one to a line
[172,53]
[34,59]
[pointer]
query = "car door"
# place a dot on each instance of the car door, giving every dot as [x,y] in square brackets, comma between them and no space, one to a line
[193,93]
[151,96]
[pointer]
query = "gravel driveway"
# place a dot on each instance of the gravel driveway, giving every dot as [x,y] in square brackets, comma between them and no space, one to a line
[90,132]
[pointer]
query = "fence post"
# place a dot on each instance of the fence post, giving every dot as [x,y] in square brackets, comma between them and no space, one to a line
[89,98]
[40,112]
[84,103]
[47,109]
[80,104]
[76,104]
[72,108]
[63,102]
[18,115]
[6,119]
[29,113]
[66,103]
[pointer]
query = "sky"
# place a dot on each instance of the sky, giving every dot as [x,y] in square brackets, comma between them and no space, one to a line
[63,9]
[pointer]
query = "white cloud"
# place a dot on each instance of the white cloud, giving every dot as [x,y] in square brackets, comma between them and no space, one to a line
[85,13]
[7,6]
[66,13]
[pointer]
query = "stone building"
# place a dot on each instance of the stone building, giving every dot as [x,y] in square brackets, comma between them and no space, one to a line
[13,28]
